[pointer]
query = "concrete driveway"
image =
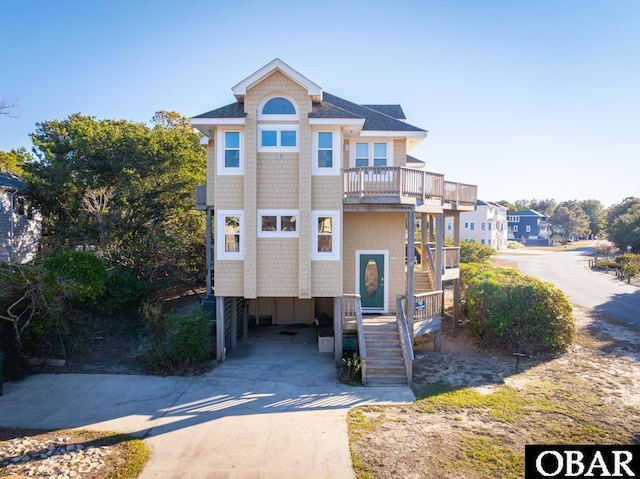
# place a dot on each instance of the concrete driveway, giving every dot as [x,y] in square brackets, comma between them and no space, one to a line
[274,409]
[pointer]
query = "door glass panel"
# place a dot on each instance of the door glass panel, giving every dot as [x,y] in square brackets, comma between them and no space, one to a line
[371,278]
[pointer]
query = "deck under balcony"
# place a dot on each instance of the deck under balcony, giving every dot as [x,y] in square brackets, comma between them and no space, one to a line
[394,185]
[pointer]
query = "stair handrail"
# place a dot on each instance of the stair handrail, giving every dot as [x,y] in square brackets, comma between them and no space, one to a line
[354,300]
[405,338]
[362,347]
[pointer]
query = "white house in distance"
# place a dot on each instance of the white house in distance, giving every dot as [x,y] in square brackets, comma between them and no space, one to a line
[487,224]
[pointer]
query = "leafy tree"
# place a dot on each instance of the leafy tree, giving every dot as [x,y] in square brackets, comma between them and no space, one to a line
[13,162]
[509,206]
[124,190]
[570,217]
[520,205]
[621,208]
[595,211]
[624,230]
[543,206]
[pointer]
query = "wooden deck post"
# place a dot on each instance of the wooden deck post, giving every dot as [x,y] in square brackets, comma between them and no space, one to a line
[234,324]
[220,347]
[209,252]
[410,268]
[337,328]
[456,284]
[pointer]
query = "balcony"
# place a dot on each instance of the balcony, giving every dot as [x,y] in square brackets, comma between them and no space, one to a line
[405,186]
[392,185]
[460,196]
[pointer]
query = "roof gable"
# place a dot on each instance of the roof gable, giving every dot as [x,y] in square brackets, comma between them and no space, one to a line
[240,90]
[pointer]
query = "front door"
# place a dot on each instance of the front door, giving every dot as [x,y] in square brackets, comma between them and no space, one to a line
[371,280]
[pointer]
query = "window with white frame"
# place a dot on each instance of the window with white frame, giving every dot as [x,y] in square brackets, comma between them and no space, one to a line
[513,219]
[326,152]
[472,226]
[528,228]
[482,226]
[283,138]
[449,226]
[230,234]
[277,223]
[325,227]
[466,225]
[230,152]
[515,228]
[278,107]
[372,153]
[489,225]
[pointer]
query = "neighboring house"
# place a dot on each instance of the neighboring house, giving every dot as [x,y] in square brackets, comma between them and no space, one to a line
[529,227]
[308,199]
[487,225]
[20,225]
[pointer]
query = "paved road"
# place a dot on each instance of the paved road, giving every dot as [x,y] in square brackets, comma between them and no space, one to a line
[569,271]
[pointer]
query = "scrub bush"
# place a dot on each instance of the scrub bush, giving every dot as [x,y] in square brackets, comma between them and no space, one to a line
[176,343]
[509,310]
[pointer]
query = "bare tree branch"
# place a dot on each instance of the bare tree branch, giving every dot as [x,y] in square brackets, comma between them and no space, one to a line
[8,106]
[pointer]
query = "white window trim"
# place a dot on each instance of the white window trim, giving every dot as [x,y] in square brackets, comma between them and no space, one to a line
[352,151]
[222,169]
[335,240]
[278,128]
[527,229]
[515,228]
[337,156]
[220,235]
[278,214]
[266,117]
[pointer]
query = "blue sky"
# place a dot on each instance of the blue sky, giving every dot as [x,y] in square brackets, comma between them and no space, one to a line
[525,98]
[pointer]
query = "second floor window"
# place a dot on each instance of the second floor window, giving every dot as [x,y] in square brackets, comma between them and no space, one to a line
[230,152]
[371,154]
[325,149]
[232,149]
[278,138]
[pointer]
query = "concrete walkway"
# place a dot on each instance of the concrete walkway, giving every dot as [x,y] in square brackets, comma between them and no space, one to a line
[274,409]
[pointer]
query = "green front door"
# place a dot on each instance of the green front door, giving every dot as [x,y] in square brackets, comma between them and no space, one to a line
[372,280]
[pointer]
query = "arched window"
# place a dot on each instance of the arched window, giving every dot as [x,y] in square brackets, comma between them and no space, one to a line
[278,106]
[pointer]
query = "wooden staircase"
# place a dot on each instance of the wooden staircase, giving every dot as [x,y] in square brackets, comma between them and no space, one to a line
[384,362]
[423,281]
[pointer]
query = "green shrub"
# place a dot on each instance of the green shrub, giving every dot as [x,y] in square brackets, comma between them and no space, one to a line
[122,288]
[176,343]
[475,252]
[77,274]
[607,263]
[509,310]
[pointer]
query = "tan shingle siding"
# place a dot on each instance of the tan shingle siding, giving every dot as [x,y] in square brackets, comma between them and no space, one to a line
[376,231]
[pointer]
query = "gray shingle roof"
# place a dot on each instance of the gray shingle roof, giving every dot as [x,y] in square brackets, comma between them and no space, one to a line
[327,110]
[394,111]
[334,107]
[374,120]
[232,110]
[10,181]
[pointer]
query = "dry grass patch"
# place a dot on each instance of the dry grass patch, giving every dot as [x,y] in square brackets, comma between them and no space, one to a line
[474,415]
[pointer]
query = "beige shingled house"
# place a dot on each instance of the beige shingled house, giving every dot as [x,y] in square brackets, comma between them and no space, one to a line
[308,199]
